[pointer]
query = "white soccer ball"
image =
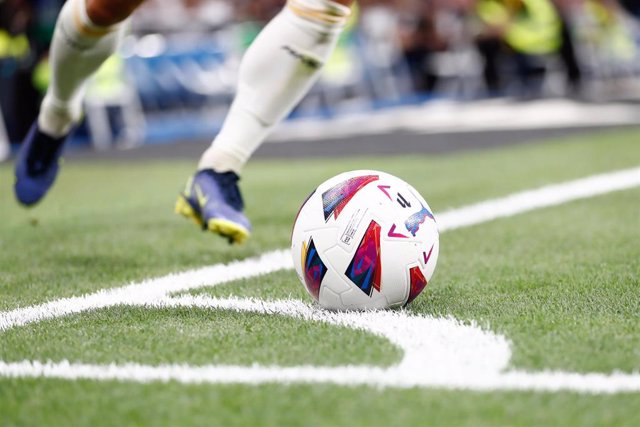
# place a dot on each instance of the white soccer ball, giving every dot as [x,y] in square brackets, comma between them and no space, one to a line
[365,240]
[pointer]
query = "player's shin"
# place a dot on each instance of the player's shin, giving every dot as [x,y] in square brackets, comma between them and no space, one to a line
[277,71]
[78,49]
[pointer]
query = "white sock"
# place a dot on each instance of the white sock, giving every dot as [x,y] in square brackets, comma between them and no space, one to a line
[276,72]
[78,49]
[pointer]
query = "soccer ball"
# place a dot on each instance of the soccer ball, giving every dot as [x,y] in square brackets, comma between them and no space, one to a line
[364,240]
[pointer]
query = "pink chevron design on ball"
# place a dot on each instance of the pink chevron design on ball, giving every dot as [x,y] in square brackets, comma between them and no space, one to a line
[392,233]
[426,256]
[384,189]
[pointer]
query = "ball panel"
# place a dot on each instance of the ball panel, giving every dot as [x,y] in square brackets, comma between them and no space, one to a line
[397,256]
[313,268]
[354,299]
[329,299]
[335,278]
[365,268]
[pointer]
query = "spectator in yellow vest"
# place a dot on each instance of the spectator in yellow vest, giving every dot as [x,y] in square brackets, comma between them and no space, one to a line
[521,30]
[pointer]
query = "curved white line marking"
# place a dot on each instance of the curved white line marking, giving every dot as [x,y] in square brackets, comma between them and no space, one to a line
[437,352]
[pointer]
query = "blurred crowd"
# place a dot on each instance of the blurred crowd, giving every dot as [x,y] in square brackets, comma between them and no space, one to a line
[512,46]
[515,39]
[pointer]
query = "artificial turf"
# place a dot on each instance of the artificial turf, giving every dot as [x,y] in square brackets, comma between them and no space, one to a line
[561,283]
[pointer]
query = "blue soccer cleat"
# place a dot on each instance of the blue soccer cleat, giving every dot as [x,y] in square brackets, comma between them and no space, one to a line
[213,201]
[37,166]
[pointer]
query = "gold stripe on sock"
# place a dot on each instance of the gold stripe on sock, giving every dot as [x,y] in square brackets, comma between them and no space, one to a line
[332,17]
[84,28]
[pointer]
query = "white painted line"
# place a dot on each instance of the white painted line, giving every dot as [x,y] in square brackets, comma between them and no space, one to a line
[278,260]
[349,376]
[426,341]
[437,352]
[149,289]
[544,197]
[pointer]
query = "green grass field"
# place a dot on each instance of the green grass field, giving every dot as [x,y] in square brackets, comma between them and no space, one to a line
[562,284]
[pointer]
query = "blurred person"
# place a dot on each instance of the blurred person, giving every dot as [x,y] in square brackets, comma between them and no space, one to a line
[18,98]
[277,70]
[26,28]
[421,38]
[523,30]
[568,56]
[14,49]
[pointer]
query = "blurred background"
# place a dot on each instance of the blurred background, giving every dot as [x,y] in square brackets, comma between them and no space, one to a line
[174,76]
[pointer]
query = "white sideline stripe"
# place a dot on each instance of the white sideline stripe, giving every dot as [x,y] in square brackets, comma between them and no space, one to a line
[460,356]
[551,195]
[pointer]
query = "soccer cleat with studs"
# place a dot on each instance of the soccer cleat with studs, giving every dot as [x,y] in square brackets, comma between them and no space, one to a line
[37,166]
[213,201]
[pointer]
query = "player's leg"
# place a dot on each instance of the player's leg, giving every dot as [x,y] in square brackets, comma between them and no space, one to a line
[87,33]
[276,72]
